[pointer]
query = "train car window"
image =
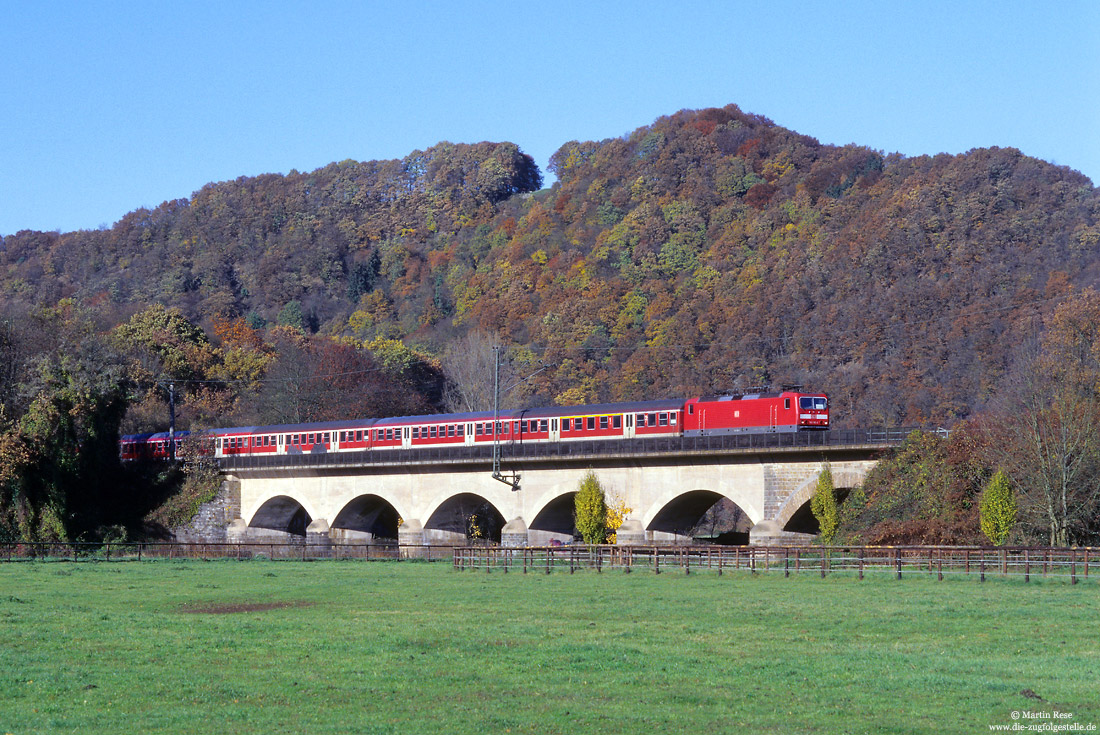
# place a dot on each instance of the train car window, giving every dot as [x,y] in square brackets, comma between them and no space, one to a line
[461,431]
[603,422]
[450,430]
[616,422]
[591,423]
[566,424]
[358,435]
[672,419]
[651,420]
[662,419]
[641,420]
[433,432]
[501,427]
[543,425]
[691,410]
[786,403]
[477,430]
[523,427]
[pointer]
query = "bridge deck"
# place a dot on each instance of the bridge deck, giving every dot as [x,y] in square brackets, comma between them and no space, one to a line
[861,440]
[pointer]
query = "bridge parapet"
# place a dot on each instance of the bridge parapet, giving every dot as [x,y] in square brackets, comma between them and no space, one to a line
[863,440]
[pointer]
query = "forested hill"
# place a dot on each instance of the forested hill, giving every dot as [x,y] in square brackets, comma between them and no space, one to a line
[707,251]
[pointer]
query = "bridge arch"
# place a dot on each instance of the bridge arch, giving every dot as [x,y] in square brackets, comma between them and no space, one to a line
[367,516]
[797,504]
[464,515]
[657,509]
[282,513]
[676,519]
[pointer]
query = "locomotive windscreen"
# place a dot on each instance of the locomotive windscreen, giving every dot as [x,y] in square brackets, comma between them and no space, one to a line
[812,403]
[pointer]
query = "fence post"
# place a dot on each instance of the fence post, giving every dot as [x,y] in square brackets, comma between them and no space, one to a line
[823,563]
[1004,563]
[897,560]
[939,564]
[861,563]
[1027,565]
[1073,566]
[656,561]
[982,567]
[548,550]
[787,562]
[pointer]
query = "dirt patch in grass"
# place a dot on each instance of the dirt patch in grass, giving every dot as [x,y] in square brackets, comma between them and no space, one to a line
[229,608]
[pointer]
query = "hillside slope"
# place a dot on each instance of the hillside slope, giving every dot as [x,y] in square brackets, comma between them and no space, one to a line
[710,250]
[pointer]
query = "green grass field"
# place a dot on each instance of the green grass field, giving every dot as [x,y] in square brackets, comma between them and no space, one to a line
[375,647]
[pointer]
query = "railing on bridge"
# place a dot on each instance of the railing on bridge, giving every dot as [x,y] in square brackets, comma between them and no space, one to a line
[898,561]
[584,449]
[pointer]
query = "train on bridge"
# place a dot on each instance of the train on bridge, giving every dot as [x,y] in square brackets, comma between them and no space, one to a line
[764,412]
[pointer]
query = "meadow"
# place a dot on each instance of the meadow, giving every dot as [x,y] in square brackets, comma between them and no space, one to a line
[385,647]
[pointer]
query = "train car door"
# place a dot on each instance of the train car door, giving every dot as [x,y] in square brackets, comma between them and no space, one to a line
[469,439]
[555,430]
[406,437]
[628,425]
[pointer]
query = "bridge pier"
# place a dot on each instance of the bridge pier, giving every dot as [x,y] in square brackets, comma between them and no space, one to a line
[410,533]
[514,534]
[318,534]
[769,533]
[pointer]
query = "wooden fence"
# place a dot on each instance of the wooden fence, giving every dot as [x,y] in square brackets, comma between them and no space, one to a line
[941,562]
[15,552]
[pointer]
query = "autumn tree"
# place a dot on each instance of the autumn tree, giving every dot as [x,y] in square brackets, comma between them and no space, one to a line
[470,364]
[1050,430]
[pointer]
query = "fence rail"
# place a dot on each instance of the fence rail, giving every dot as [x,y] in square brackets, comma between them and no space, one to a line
[1078,564]
[139,551]
[580,450]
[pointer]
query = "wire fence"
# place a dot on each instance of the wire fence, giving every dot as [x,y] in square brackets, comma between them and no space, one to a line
[142,551]
[939,562]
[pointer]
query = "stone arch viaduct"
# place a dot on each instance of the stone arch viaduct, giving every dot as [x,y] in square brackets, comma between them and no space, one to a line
[429,496]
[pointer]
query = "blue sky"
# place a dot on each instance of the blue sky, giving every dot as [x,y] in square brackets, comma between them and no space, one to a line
[111,106]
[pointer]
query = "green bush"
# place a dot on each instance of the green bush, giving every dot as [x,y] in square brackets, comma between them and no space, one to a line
[590,507]
[998,509]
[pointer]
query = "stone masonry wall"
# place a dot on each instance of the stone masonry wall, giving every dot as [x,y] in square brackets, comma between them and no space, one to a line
[210,522]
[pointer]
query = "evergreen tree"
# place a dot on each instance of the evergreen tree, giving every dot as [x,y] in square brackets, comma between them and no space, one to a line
[998,509]
[823,505]
[591,510]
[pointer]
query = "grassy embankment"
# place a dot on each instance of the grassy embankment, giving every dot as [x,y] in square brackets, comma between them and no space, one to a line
[173,647]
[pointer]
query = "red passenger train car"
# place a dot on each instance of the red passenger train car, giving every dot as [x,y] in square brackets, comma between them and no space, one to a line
[764,412]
